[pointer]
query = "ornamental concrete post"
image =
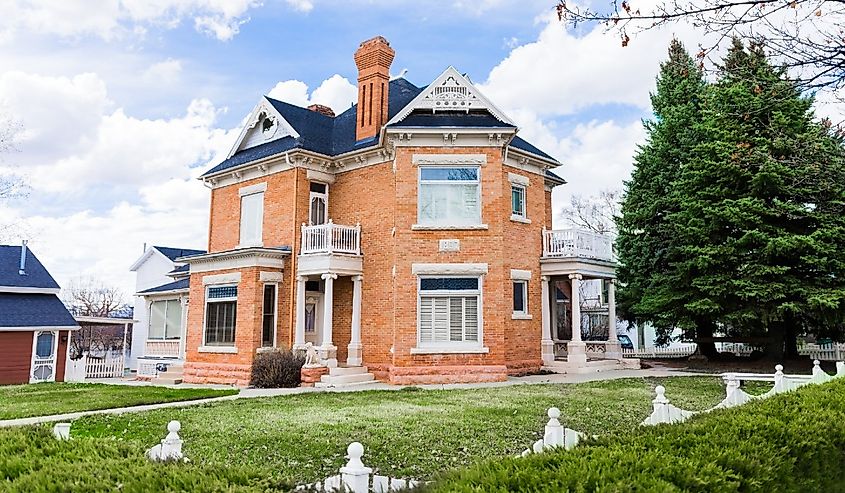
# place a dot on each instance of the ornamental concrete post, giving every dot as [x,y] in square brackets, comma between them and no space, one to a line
[547,345]
[576,350]
[355,349]
[355,475]
[553,434]
[299,334]
[613,350]
[328,351]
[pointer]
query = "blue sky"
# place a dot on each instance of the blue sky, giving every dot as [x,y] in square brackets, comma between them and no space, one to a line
[121,105]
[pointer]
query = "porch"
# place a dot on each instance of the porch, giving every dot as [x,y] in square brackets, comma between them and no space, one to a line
[579,316]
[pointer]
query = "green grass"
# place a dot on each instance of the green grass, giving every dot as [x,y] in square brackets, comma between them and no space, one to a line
[407,433]
[43,399]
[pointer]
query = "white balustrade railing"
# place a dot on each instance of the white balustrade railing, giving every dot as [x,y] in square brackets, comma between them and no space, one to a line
[331,238]
[574,242]
[826,352]
[162,348]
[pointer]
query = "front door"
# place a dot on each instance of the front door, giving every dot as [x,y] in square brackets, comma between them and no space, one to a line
[314,318]
[44,348]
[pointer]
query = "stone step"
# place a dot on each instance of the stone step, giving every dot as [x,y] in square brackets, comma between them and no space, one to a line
[168,381]
[344,380]
[348,370]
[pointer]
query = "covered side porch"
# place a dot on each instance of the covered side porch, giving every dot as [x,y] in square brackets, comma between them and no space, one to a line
[578,280]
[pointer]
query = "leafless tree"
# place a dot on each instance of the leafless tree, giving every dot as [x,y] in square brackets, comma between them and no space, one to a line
[595,213]
[806,36]
[87,296]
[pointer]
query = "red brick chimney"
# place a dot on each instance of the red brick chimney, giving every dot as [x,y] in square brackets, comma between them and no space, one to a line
[322,109]
[373,59]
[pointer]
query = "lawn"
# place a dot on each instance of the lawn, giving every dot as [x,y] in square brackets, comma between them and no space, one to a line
[43,399]
[407,433]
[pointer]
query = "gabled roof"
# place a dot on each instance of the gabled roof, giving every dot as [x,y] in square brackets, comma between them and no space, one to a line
[168,252]
[180,285]
[36,311]
[36,276]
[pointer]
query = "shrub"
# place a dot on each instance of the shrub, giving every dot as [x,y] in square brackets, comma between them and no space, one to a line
[791,442]
[276,368]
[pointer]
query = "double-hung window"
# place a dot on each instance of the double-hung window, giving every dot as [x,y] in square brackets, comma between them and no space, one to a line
[520,298]
[252,216]
[449,196]
[165,319]
[449,311]
[518,201]
[221,307]
[268,316]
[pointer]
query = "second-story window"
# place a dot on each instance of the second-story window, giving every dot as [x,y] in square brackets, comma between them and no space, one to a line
[518,200]
[252,218]
[449,196]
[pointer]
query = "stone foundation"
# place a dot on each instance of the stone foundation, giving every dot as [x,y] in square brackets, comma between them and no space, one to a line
[310,376]
[524,367]
[414,375]
[228,374]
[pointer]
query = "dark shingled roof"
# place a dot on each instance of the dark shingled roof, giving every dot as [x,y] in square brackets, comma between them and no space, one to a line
[181,284]
[33,310]
[182,269]
[174,253]
[334,136]
[36,275]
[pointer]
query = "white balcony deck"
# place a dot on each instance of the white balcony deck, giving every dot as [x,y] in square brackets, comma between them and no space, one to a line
[331,238]
[577,243]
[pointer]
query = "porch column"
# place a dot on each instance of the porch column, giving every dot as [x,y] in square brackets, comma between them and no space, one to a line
[576,349]
[613,348]
[547,345]
[299,332]
[328,351]
[355,349]
[183,331]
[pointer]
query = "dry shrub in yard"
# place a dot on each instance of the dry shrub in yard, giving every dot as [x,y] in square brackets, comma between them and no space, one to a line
[276,368]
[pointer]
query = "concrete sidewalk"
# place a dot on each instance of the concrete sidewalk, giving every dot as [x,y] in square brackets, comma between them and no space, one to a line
[252,393]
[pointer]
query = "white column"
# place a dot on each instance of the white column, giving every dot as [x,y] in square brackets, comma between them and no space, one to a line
[299,331]
[547,345]
[183,332]
[613,350]
[576,350]
[355,349]
[328,351]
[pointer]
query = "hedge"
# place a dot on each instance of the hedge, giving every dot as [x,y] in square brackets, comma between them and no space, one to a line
[791,442]
[31,460]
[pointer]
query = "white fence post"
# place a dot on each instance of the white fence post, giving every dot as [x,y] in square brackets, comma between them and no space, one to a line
[355,475]
[61,431]
[664,411]
[840,369]
[553,436]
[170,447]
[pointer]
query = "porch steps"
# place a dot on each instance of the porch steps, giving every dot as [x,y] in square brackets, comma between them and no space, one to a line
[592,366]
[172,376]
[345,376]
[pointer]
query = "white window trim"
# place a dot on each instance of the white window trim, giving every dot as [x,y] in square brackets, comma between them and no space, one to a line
[521,218]
[452,347]
[523,314]
[446,270]
[218,349]
[253,189]
[324,196]
[468,226]
[243,193]
[519,179]
[150,319]
[275,314]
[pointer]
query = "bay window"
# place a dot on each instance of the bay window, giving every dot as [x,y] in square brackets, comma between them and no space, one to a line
[449,311]
[449,196]
[220,315]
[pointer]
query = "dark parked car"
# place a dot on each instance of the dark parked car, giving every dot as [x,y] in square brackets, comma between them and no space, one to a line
[625,341]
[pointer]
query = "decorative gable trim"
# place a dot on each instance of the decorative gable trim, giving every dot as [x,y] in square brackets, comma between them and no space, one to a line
[252,133]
[450,91]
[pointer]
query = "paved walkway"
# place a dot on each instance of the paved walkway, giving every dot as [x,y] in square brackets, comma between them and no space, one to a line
[656,372]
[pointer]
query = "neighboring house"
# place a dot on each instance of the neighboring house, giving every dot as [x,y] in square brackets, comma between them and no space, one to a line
[161,296]
[34,323]
[408,238]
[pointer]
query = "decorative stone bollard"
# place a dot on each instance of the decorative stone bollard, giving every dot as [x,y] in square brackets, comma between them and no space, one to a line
[355,475]
[840,368]
[170,447]
[61,431]
[780,383]
[819,375]
[664,411]
[735,396]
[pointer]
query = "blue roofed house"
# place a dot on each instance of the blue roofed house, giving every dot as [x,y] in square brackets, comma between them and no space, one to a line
[34,323]
[161,295]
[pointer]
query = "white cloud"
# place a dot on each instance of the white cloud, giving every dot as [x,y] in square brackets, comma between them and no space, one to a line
[301,5]
[335,92]
[166,72]
[110,19]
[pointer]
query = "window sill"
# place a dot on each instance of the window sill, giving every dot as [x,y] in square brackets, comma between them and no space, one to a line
[266,349]
[217,349]
[450,350]
[520,219]
[448,227]
[249,245]
[521,316]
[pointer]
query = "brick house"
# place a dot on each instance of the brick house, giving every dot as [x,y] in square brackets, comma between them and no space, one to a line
[408,238]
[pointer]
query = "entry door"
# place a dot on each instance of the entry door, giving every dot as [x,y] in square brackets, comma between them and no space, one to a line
[314,318]
[44,348]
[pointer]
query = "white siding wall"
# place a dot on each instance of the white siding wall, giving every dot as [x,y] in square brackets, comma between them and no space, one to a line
[150,274]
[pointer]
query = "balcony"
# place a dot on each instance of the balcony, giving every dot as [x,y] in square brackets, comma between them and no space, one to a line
[162,348]
[574,243]
[331,238]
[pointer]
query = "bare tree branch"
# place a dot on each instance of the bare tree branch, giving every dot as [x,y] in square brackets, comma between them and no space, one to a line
[595,213]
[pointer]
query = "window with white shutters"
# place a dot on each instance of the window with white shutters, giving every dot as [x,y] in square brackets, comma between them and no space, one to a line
[449,196]
[449,311]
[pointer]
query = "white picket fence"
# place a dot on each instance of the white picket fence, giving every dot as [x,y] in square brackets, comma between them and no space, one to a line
[824,352]
[660,352]
[110,366]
